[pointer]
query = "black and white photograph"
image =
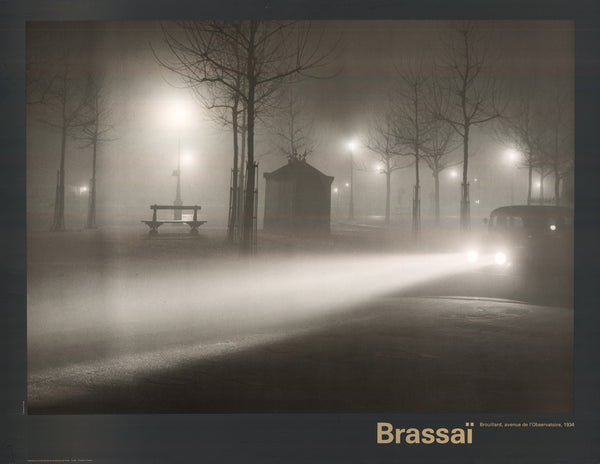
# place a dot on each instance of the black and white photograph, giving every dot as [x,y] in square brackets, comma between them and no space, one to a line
[303,232]
[293,216]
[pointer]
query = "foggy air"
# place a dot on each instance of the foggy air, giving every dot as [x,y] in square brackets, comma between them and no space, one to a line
[276,210]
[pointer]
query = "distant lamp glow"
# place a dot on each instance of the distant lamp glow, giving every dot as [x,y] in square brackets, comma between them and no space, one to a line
[187,158]
[453,173]
[512,155]
[500,258]
[83,189]
[179,113]
[552,227]
[379,168]
[477,202]
[347,184]
[352,145]
[335,190]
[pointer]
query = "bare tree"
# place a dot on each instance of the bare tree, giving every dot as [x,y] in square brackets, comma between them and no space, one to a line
[468,95]
[57,93]
[293,129]
[442,141]
[383,142]
[522,129]
[260,54]
[557,145]
[230,111]
[412,124]
[94,133]
[543,170]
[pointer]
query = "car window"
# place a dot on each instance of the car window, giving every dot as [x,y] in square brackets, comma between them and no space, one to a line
[507,222]
[532,224]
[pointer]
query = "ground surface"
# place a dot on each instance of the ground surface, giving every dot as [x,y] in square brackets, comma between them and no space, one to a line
[359,322]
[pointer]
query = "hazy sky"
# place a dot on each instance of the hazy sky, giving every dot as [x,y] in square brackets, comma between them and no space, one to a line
[134,170]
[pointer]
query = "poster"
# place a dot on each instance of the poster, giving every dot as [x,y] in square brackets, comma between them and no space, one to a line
[343,387]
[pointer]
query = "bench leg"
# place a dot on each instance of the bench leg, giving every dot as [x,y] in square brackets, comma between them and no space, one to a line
[194,231]
[154,228]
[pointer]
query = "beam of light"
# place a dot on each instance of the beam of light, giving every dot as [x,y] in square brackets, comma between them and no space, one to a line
[129,308]
[472,256]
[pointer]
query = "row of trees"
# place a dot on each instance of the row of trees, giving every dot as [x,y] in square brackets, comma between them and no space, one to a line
[243,70]
[240,67]
[63,92]
[432,109]
[539,124]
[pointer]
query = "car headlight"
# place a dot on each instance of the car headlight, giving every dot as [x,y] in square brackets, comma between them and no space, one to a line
[500,258]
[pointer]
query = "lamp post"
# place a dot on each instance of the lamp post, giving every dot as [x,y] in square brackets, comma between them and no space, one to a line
[177,173]
[335,200]
[512,156]
[453,175]
[179,115]
[351,147]
[477,182]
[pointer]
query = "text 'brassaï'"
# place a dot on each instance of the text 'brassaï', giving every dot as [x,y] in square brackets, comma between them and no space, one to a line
[386,433]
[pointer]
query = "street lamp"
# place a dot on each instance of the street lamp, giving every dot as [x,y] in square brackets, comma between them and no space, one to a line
[178,117]
[477,183]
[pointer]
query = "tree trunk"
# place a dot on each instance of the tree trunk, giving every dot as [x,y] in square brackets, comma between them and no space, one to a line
[233,214]
[529,180]
[436,179]
[351,202]
[388,175]
[59,202]
[249,200]
[242,182]
[465,213]
[417,192]
[416,213]
[556,187]
[91,219]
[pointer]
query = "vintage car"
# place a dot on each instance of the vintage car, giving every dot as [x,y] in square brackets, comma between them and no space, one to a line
[528,237]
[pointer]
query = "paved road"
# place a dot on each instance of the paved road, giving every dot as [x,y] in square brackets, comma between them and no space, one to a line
[412,351]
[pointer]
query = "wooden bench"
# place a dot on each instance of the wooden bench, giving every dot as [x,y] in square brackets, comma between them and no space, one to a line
[155,223]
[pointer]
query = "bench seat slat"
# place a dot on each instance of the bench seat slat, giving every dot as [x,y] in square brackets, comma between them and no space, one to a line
[173,207]
[155,223]
[174,221]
